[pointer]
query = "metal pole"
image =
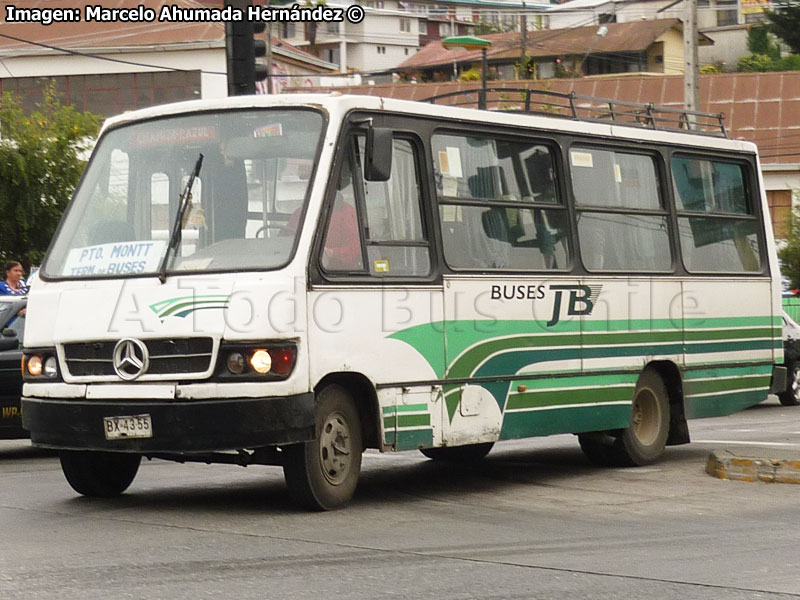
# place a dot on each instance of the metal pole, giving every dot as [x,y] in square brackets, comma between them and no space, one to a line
[523,21]
[270,89]
[691,98]
[268,57]
[484,76]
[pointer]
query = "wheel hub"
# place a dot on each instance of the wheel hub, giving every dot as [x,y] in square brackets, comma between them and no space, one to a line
[646,417]
[335,448]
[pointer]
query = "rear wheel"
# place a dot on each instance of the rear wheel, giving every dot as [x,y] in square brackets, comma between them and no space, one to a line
[99,474]
[791,396]
[323,474]
[644,440]
[458,454]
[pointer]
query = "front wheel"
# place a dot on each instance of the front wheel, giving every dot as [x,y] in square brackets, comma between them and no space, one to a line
[644,440]
[791,396]
[323,474]
[99,474]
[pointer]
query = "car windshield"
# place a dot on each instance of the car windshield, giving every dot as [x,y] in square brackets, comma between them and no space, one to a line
[243,211]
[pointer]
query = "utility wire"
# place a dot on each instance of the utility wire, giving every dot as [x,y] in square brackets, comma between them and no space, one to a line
[106,58]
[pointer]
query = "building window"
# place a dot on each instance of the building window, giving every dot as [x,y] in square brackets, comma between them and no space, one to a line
[381,49]
[606,18]
[288,30]
[333,27]
[727,13]
[406,51]
[405,25]
[423,27]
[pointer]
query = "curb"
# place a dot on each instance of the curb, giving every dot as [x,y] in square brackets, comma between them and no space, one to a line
[725,464]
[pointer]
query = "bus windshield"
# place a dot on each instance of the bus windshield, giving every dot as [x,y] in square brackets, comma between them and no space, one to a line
[243,211]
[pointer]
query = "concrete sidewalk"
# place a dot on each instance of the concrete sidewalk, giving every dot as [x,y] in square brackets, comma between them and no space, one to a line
[767,465]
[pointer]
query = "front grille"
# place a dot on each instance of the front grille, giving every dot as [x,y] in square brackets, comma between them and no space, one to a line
[167,357]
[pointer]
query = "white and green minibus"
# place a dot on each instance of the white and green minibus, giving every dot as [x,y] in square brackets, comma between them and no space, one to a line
[290,280]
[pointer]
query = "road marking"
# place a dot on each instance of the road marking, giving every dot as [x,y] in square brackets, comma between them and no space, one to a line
[745,443]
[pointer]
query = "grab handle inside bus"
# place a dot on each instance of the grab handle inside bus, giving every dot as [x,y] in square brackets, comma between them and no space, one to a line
[378,159]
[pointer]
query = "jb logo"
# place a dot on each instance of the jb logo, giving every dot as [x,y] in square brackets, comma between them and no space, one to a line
[581,300]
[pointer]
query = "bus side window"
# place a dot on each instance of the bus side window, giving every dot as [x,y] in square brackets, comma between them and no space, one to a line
[397,245]
[622,222]
[342,247]
[718,230]
[499,206]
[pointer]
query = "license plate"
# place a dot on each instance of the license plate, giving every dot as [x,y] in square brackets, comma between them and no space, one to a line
[135,426]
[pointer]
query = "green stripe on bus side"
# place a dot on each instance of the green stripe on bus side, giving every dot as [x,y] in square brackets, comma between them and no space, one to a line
[709,386]
[428,338]
[722,404]
[390,410]
[564,397]
[593,378]
[411,420]
[613,345]
[414,438]
[706,323]
[725,334]
[728,371]
[514,361]
[568,419]
[728,347]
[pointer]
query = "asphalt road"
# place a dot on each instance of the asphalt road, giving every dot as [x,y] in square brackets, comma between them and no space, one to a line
[534,520]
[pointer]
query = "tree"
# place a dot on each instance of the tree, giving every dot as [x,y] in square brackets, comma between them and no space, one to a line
[759,41]
[41,161]
[483,27]
[784,22]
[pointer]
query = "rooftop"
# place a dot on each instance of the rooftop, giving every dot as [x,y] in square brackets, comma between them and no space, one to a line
[758,107]
[34,39]
[634,36]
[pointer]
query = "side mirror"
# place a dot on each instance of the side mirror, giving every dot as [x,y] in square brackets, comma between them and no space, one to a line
[378,158]
[8,332]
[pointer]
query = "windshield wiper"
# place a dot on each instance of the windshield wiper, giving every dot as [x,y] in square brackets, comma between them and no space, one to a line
[185,202]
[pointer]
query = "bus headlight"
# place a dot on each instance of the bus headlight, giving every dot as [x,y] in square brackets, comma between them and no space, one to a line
[261,361]
[50,367]
[256,362]
[236,364]
[39,365]
[35,365]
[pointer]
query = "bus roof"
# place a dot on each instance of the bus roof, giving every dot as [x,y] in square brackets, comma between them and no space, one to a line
[337,105]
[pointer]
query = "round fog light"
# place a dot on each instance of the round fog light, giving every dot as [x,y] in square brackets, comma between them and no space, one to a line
[50,367]
[236,363]
[35,365]
[261,361]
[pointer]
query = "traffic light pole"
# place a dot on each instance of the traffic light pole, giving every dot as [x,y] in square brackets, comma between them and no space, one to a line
[242,50]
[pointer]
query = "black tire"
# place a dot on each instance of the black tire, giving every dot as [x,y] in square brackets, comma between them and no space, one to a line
[599,448]
[791,395]
[458,454]
[644,440]
[99,474]
[323,474]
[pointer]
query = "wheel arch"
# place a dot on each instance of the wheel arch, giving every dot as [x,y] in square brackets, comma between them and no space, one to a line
[362,390]
[671,376]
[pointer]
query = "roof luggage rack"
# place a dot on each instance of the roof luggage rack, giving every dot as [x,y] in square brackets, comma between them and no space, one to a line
[588,108]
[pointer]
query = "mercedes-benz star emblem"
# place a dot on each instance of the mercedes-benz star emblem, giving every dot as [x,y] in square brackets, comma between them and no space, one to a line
[131,358]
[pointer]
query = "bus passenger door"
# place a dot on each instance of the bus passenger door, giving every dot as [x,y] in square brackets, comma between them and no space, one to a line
[375,305]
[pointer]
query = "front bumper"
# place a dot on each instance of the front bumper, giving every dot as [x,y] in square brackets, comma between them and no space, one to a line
[191,426]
